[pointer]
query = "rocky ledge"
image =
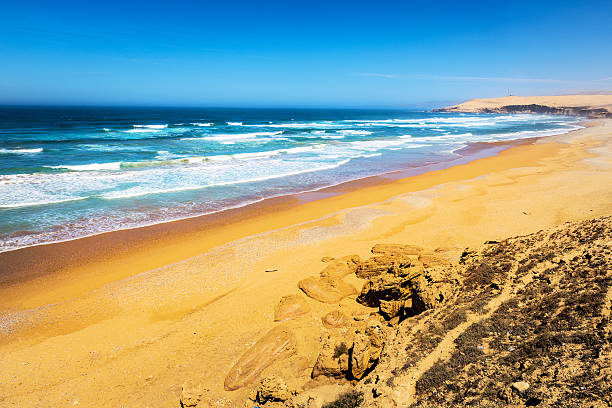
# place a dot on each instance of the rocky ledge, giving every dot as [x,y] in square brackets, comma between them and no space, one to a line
[520,322]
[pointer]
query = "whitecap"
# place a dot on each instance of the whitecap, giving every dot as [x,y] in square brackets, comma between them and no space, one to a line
[142,130]
[152,126]
[21,151]
[89,167]
[232,136]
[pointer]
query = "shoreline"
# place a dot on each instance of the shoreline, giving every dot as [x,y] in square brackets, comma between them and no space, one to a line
[18,240]
[73,252]
[103,326]
[471,151]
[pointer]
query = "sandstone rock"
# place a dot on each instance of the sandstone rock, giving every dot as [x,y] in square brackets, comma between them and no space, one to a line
[327,259]
[392,308]
[273,388]
[430,261]
[290,307]
[276,344]
[334,319]
[325,289]
[341,267]
[396,249]
[372,267]
[431,290]
[379,265]
[384,287]
[333,359]
[367,347]
[520,386]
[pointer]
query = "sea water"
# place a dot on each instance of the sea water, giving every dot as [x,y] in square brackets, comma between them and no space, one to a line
[68,172]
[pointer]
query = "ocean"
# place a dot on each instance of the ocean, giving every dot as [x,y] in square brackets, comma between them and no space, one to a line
[69,172]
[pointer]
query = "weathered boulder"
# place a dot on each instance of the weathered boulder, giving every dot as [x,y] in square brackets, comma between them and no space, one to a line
[520,386]
[396,249]
[334,319]
[276,344]
[327,259]
[372,267]
[392,308]
[396,265]
[341,267]
[384,287]
[273,388]
[333,359]
[325,289]
[430,289]
[290,307]
[367,347]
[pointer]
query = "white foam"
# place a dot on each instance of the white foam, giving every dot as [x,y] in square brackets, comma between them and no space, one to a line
[353,132]
[220,137]
[299,125]
[90,167]
[142,130]
[136,192]
[151,126]
[21,151]
[42,202]
[206,124]
[234,123]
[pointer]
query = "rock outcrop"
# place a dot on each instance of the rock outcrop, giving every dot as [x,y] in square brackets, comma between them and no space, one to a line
[525,321]
[333,359]
[341,267]
[326,289]
[290,307]
[367,347]
[334,319]
[273,388]
[276,344]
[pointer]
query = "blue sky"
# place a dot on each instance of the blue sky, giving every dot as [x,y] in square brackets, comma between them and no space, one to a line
[299,53]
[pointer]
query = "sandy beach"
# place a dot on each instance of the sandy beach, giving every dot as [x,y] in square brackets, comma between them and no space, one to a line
[125,318]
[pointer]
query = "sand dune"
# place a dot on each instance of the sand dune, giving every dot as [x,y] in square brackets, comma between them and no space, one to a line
[596,106]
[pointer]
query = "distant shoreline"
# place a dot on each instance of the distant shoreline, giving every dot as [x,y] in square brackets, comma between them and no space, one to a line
[591,106]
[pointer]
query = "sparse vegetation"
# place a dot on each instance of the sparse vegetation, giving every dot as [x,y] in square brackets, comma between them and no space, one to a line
[340,349]
[351,399]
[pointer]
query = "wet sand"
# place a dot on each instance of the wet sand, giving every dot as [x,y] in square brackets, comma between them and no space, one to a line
[123,319]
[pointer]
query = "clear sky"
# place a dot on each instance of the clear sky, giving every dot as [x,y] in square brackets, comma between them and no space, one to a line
[299,53]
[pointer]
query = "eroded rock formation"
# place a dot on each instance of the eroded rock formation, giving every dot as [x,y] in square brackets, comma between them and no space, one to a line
[326,289]
[290,307]
[276,344]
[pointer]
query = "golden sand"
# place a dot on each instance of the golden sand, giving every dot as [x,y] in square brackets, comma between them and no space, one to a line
[142,311]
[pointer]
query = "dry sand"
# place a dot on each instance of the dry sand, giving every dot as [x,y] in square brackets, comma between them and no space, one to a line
[112,331]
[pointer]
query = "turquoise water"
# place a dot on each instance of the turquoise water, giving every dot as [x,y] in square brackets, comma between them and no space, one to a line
[72,172]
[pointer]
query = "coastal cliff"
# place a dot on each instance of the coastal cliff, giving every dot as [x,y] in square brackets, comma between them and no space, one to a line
[589,106]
